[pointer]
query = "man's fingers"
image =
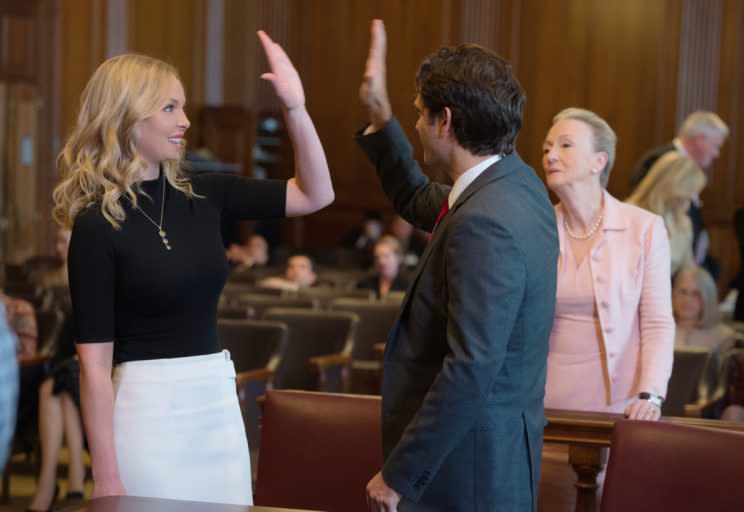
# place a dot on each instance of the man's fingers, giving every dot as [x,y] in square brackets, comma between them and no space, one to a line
[379,39]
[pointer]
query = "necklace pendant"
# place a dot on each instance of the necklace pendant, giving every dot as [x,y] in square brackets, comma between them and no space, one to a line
[162,233]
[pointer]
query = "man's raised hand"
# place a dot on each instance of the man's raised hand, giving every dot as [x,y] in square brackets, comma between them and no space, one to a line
[373,91]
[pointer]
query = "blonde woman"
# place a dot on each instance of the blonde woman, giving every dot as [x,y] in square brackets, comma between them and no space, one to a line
[146,266]
[667,190]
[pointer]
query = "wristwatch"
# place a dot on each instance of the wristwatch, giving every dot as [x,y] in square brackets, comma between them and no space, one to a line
[654,399]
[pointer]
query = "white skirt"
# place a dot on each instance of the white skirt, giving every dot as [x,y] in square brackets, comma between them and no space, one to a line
[179,432]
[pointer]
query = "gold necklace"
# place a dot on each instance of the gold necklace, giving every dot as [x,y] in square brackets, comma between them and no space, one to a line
[161,231]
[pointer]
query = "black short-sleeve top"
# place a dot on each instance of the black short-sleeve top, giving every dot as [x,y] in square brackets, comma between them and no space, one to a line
[155,303]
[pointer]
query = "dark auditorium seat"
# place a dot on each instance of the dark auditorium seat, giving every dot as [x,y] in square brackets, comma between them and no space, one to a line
[318,450]
[658,466]
[260,303]
[688,372]
[375,321]
[251,343]
[315,355]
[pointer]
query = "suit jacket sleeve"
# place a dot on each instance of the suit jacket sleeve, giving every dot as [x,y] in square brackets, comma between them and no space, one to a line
[485,284]
[656,320]
[414,197]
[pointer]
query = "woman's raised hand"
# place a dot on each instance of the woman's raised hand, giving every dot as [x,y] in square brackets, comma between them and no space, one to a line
[283,75]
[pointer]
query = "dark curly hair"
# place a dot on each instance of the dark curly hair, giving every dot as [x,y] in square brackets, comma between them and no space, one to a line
[485,98]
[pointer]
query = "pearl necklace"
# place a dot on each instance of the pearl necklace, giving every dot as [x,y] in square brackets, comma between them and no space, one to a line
[588,233]
[161,231]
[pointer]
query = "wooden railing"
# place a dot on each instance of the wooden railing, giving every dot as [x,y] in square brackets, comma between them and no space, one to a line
[588,437]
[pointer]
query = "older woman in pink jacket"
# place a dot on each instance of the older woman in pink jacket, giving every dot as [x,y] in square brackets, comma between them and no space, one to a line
[612,343]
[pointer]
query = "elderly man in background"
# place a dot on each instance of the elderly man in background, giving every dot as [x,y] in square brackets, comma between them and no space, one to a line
[700,138]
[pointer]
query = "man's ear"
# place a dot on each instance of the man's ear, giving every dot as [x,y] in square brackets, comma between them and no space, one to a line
[444,122]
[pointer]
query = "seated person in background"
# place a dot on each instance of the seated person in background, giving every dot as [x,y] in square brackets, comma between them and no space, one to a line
[57,276]
[8,387]
[298,274]
[253,253]
[59,414]
[59,396]
[698,322]
[387,278]
[363,239]
[735,412]
[412,240]
[667,190]
[21,319]
[365,236]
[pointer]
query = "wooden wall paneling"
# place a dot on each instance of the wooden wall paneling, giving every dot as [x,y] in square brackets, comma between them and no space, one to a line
[622,73]
[81,50]
[725,192]
[27,42]
[240,19]
[165,29]
[334,46]
[47,72]
[18,46]
[24,213]
[196,91]
[553,51]
[590,54]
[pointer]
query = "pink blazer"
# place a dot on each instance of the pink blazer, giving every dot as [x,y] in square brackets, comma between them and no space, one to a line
[630,272]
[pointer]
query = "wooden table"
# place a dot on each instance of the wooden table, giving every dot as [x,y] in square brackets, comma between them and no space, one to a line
[137,504]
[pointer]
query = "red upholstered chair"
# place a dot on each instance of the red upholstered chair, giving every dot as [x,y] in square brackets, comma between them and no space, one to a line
[657,466]
[318,450]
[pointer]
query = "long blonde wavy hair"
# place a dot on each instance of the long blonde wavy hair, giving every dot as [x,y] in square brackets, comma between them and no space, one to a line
[99,163]
[672,176]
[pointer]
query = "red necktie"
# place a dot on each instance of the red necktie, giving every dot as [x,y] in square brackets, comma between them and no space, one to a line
[442,213]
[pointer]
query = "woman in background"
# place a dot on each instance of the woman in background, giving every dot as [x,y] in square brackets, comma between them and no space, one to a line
[667,190]
[388,257]
[698,320]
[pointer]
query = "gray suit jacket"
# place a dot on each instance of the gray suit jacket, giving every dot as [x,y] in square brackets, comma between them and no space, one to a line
[465,363]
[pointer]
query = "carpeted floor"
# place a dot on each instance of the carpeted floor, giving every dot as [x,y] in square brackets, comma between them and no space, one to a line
[23,485]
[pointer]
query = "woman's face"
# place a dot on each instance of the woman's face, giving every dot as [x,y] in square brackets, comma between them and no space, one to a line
[568,154]
[386,261]
[686,299]
[161,135]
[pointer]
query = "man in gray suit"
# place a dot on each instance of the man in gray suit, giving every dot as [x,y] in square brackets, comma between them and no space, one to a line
[465,363]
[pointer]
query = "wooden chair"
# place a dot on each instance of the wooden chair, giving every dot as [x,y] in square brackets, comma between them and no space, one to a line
[688,374]
[729,390]
[235,312]
[324,297]
[252,344]
[261,303]
[659,466]
[375,321]
[318,450]
[315,356]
